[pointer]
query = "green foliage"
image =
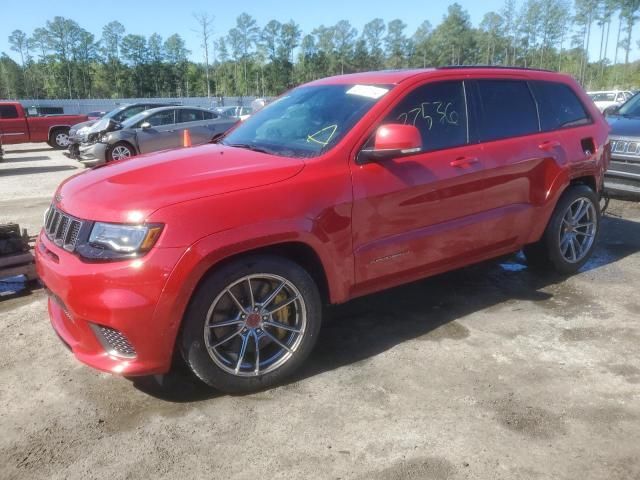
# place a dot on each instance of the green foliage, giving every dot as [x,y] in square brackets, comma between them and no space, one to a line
[62,60]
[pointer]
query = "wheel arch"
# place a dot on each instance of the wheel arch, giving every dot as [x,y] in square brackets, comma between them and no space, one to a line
[53,128]
[202,258]
[298,252]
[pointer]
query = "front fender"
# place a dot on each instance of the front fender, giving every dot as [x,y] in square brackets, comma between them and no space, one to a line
[209,251]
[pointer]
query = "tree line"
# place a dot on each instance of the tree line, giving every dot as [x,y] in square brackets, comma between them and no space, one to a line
[63,60]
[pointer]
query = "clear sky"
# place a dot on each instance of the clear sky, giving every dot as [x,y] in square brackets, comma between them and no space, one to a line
[176,16]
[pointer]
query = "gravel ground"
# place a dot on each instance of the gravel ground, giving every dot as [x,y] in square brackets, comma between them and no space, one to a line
[492,371]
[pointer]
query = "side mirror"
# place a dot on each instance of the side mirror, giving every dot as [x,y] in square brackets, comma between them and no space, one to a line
[392,141]
[145,125]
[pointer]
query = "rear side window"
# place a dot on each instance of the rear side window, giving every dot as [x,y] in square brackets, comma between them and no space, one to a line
[507,109]
[189,116]
[438,110]
[8,111]
[559,106]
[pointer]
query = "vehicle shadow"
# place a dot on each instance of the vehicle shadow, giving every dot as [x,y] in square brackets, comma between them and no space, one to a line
[29,150]
[370,325]
[26,159]
[32,170]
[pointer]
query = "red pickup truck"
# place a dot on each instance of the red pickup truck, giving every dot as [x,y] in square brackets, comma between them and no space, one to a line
[17,127]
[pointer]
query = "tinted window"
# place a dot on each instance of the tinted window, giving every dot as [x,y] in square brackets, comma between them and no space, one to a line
[209,115]
[189,116]
[439,112]
[559,106]
[161,118]
[8,111]
[507,109]
[128,113]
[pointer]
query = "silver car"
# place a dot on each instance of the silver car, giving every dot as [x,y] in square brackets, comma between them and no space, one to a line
[152,130]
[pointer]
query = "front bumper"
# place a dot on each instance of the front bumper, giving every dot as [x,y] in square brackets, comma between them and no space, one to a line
[121,297]
[89,154]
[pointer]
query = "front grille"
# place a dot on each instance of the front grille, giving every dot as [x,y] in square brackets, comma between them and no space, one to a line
[625,147]
[62,229]
[114,341]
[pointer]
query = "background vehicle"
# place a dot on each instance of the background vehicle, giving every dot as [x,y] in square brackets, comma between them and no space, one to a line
[86,133]
[623,175]
[153,130]
[607,98]
[96,115]
[346,186]
[17,127]
[36,111]
[235,111]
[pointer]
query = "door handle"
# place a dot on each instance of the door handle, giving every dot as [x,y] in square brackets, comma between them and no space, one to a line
[463,162]
[549,145]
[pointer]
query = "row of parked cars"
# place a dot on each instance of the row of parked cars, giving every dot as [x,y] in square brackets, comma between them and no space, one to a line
[128,130]
[138,128]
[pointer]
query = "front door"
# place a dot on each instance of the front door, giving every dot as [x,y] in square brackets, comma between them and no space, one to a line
[161,135]
[423,211]
[13,128]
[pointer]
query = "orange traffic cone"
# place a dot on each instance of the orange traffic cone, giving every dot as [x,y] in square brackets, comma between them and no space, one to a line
[186,138]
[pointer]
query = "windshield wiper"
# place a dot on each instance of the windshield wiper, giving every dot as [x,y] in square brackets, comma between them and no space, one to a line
[247,146]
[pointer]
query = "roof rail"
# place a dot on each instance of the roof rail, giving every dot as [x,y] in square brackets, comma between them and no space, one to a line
[497,67]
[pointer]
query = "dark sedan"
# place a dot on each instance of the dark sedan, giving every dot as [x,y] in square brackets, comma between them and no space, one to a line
[623,175]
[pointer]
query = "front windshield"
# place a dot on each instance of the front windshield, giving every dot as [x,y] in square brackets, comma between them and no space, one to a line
[631,108]
[306,121]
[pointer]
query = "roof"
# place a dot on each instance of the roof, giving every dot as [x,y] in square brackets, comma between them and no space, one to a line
[394,77]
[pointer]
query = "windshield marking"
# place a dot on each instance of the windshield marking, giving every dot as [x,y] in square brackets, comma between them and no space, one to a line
[324,143]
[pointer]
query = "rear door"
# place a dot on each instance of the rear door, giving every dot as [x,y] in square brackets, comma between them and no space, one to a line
[194,121]
[517,157]
[13,127]
[162,134]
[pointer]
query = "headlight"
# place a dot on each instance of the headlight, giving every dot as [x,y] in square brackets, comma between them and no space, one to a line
[111,241]
[104,138]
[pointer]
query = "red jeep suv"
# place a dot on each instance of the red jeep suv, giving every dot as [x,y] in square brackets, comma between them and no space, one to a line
[224,254]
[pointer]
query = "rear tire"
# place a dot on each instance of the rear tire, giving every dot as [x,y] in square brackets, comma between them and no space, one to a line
[59,138]
[232,336]
[570,236]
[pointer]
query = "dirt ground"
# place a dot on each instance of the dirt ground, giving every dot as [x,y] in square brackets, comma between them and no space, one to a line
[491,372]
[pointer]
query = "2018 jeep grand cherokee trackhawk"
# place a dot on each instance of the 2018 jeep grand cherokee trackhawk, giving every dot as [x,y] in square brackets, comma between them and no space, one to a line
[225,253]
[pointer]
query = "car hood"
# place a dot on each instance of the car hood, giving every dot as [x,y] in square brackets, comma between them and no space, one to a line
[129,191]
[80,125]
[624,127]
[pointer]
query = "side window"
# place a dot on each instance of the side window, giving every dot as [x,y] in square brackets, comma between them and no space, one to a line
[8,111]
[209,115]
[559,106]
[189,116]
[438,110]
[507,109]
[161,118]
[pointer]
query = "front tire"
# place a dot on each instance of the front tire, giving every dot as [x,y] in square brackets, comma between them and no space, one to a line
[570,236]
[251,324]
[120,151]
